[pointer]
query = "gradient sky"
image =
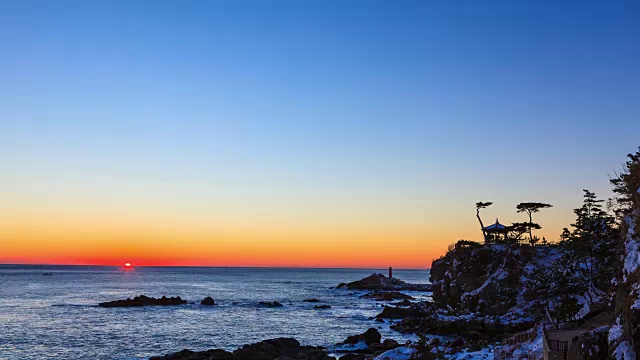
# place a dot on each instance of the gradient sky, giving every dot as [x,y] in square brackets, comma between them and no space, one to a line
[302,133]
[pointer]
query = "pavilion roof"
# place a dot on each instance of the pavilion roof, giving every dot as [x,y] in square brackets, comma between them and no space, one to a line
[495,227]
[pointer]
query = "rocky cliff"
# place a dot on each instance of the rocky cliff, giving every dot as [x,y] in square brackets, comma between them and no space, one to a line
[624,333]
[487,280]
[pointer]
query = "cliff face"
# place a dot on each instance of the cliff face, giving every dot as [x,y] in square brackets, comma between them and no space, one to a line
[624,335]
[487,280]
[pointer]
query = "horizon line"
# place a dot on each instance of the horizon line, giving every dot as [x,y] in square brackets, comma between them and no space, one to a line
[213,266]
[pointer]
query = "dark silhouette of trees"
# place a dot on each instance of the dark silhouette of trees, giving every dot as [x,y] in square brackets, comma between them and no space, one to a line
[627,184]
[590,246]
[516,231]
[530,208]
[482,205]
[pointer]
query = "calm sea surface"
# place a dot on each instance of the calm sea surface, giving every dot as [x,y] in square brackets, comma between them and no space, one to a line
[57,317]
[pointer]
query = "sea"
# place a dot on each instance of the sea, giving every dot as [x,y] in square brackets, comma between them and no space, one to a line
[52,312]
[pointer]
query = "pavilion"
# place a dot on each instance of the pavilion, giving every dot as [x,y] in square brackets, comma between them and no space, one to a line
[495,232]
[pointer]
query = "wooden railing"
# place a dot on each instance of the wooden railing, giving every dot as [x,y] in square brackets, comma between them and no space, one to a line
[557,346]
[510,344]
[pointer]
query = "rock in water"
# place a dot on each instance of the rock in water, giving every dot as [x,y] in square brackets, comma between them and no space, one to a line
[208,301]
[215,354]
[390,312]
[312,300]
[353,357]
[143,300]
[369,337]
[403,303]
[381,282]
[280,348]
[387,296]
[269,304]
[322,307]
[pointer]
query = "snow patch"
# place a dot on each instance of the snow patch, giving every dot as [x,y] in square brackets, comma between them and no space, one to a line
[632,258]
[624,351]
[399,353]
[485,353]
[500,274]
[360,345]
[615,332]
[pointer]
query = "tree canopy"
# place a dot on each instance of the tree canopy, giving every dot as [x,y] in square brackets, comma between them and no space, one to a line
[530,208]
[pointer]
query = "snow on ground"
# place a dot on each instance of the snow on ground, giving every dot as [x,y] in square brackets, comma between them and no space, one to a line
[485,353]
[615,332]
[584,307]
[400,353]
[498,275]
[515,315]
[547,256]
[523,350]
[360,345]
[624,351]
[532,347]
[632,258]
[635,291]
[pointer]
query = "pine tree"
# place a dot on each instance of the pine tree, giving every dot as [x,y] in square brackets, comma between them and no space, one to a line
[482,205]
[530,208]
[626,185]
[589,246]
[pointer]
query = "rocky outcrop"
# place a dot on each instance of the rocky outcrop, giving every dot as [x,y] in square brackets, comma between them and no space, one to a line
[458,277]
[429,318]
[387,296]
[369,337]
[280,348]
[368,343]
[471,328]
[418,310]
[269,304]
[403,303]
[392,312]
[143,300]
[208,301]
[488,280]
[214,354]
[381,282]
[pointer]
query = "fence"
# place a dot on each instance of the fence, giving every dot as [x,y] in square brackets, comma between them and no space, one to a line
[511,343]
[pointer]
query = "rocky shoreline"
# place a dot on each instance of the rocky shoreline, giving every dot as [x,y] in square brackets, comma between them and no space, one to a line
[359,347]
[356,347]
[279,348]
[458,327]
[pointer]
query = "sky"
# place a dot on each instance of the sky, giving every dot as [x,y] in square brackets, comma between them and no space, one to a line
[303,133]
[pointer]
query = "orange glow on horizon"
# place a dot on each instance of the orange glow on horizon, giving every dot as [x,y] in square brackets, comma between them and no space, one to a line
[99,239]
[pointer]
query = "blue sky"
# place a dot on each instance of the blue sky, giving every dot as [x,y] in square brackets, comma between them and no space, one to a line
[284,105]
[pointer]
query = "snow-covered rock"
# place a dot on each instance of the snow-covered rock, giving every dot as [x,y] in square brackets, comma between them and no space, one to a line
[399,353]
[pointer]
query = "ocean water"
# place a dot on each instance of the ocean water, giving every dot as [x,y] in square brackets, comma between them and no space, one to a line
[57,317]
